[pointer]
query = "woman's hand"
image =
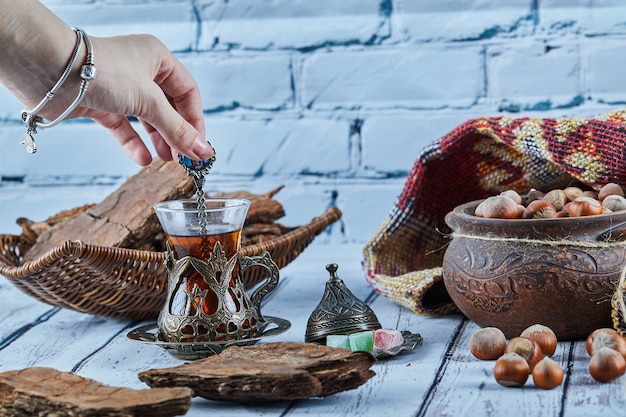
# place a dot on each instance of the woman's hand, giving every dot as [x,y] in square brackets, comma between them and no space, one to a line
[136,76]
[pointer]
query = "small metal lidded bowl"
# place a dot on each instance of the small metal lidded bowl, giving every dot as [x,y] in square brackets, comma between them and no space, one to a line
[339,312]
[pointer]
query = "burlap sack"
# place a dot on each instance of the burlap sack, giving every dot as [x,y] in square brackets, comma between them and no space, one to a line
[479,158]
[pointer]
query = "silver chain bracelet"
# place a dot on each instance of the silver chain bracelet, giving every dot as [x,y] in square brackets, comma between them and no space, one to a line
[32,121]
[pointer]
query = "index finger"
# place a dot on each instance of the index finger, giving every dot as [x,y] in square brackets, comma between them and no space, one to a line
[182,91]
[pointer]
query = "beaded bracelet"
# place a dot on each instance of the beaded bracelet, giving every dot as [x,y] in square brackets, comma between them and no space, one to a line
[87,72]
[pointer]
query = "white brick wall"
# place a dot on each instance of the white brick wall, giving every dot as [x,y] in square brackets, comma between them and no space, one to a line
[333,99]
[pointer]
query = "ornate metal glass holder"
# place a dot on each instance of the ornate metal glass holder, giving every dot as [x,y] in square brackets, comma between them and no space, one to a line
[216,307]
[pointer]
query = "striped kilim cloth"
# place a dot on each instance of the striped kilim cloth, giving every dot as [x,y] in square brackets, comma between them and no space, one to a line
[477,159]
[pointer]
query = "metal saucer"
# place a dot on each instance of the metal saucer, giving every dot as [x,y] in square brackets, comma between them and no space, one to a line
[191,350]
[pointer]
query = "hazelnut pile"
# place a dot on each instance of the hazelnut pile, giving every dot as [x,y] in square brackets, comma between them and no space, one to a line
[531,354]
[569,202]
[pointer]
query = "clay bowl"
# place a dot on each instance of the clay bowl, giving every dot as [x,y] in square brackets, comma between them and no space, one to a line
[515,273]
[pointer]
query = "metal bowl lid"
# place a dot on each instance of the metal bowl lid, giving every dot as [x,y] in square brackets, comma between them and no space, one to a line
[339,312]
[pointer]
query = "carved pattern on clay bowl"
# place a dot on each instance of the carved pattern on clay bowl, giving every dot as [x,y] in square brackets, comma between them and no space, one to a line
[512,273]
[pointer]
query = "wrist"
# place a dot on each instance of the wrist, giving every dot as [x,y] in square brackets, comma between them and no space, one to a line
[36,47]
[32,117]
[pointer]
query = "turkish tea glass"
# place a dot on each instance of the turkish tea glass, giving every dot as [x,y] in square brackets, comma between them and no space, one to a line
[207,299]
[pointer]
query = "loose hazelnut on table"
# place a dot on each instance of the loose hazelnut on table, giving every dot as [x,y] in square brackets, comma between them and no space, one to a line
[526,348]
[604,338]
[544,336]
[511,370]
[487,343]
[606,365]
[592,335]
[547,374]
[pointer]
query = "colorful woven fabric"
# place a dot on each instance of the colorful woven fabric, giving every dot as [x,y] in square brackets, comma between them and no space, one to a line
[479,158]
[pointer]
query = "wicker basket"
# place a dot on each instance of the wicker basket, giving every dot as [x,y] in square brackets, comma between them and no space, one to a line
[125,283]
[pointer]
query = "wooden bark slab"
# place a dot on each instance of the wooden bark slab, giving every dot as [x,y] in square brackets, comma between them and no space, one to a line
[263,208]
[125,218]
[268,372]
[48,392]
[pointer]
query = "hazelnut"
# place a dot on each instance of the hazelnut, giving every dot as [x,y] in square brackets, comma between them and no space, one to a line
[610,189]
[487,343]
[547,374]
[614,202]
[592,336]
[544,336]
[584,206]
[611,340]
[533,195]
[572,193]
[513,195]
[526,348]
[606,365]
[511,370]
[499,206]
[539,209]
[557,198]
[561,214]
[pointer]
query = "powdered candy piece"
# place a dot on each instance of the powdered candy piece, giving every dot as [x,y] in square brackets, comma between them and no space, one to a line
[338,340]
[363,341]
[385,339]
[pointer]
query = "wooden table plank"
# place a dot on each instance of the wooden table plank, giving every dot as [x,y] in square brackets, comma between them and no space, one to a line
[61,342]
[585,395]
[19,312]
[303,285]
[469,388]
[440,378]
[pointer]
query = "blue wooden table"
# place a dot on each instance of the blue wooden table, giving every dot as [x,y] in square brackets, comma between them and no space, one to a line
[439,378]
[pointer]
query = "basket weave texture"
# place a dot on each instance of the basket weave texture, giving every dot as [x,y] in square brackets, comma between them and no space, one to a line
[125,283]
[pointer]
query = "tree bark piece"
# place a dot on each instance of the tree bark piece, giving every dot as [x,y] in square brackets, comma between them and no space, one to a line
[125,218]
[48,392]
[260,232]
[268,372]
[264,210]
[248,195]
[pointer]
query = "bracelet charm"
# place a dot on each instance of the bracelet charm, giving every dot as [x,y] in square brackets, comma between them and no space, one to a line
[87,73]
[28,140]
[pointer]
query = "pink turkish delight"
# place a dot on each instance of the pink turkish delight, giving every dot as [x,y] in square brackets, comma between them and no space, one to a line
[385,339]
